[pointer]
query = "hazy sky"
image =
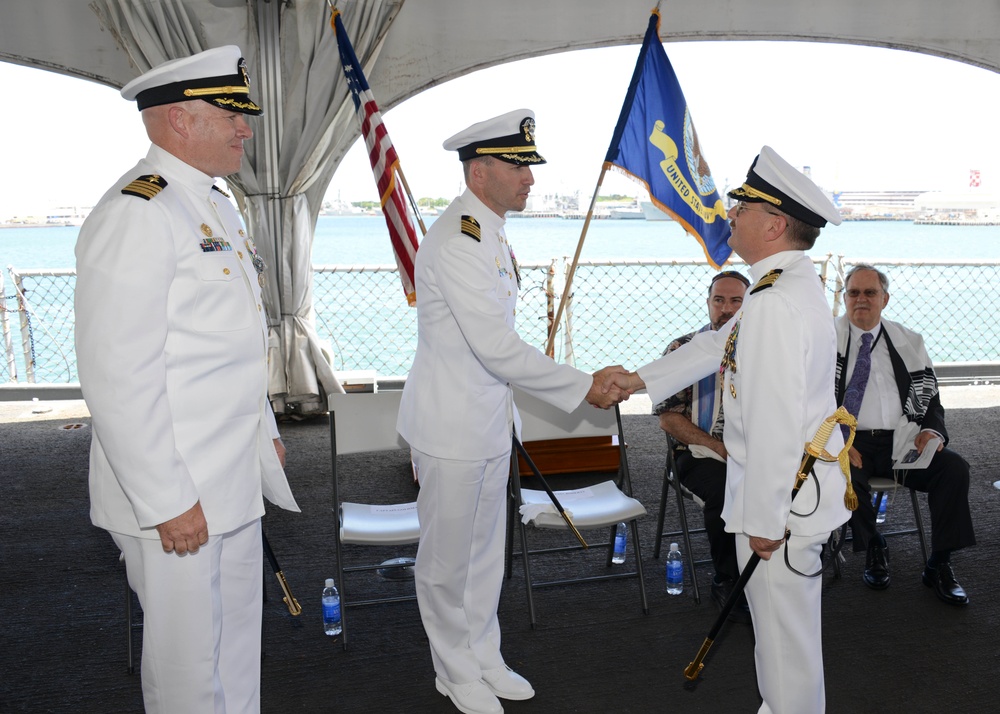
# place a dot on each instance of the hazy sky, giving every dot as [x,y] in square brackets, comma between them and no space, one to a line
[862,118]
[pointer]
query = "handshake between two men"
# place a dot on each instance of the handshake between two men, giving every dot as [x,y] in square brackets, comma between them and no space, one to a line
[613,385]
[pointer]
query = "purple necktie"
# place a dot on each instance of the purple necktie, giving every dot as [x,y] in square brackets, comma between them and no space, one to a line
[855,391]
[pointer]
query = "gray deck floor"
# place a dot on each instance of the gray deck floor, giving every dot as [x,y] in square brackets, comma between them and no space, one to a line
[62,644]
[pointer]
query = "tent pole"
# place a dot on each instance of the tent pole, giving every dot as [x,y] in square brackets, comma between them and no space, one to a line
[268,32]
[550,347]
[272,207]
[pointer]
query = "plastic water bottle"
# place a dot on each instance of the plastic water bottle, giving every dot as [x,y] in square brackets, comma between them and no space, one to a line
[675,571]
[331,609]
[621,540]
[880,516]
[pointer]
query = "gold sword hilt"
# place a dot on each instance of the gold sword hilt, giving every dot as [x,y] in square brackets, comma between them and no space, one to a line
[816,450]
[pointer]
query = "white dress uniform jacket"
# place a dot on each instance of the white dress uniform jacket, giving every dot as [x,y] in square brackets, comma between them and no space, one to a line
[457,403]
[171,348]
[774,402]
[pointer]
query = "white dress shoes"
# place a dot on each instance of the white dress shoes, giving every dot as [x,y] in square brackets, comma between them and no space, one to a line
[472,698]
[507,684]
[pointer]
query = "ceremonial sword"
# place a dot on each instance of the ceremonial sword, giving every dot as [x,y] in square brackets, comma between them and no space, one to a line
[293,605]
[550,492]
[815,449]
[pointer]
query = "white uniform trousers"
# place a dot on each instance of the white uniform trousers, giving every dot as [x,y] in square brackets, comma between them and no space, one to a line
[459,566]
[787,626]
[201,622]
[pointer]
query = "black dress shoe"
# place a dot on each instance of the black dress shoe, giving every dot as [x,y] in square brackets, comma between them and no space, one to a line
[876,575]
[721,593]
[942,579]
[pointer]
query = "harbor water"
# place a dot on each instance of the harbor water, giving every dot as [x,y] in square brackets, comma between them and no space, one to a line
[363,240]
[624,311]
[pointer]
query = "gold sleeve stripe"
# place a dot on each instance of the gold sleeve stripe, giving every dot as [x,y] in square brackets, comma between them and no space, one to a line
[470,227]
[145,187]
[767,281]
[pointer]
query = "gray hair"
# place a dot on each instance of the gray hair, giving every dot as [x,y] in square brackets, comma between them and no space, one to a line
[882,277]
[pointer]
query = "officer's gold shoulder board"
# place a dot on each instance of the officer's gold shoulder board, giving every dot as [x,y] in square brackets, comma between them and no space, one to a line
[767,281]
[216,188]
[145,186]
[470,227]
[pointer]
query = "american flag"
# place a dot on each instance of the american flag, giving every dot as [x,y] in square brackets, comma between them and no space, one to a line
[384,162]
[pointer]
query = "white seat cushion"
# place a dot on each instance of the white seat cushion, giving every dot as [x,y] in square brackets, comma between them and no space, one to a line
[365,524]
[592,507]
[884,483]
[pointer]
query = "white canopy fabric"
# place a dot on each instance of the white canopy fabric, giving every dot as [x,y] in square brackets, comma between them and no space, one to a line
[407,46]
[280,192]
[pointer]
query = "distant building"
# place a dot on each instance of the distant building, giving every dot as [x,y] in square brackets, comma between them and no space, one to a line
[923,207]
[973,207]
[878,205]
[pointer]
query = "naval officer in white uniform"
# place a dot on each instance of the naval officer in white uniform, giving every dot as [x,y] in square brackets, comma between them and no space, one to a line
[457,411]
[777,355]
[171,346]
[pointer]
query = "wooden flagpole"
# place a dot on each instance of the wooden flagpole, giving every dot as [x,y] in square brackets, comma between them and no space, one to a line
[550,347]
[413,203]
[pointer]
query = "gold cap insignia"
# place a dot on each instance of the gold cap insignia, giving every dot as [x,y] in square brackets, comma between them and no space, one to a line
[528,127]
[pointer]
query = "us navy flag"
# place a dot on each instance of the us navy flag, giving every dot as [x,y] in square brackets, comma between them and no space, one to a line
[655,143]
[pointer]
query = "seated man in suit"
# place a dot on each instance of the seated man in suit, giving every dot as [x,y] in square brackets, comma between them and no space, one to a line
[694,418]
[898,406]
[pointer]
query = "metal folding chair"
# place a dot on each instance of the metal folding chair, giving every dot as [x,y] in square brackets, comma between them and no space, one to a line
[361,423]
[601,505]
[672,481]
[883,487]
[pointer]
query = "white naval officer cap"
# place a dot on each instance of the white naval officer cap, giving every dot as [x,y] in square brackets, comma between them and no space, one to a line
[218,76]
[773,180]
[509,137]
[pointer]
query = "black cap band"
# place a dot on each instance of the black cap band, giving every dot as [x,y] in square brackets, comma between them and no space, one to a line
[757,190]
[227,92]
[511,149]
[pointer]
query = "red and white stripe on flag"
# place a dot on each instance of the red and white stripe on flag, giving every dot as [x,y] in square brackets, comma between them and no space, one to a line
[383,159]
[974,178]
[385,163]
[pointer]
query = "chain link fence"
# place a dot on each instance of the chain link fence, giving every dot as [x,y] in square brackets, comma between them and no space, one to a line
[36,320]
[619,312]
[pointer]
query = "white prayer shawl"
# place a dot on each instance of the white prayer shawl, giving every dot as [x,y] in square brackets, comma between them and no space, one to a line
[909,347]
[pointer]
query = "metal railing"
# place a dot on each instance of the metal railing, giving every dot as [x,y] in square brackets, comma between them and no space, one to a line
[620,312]
[37,321]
